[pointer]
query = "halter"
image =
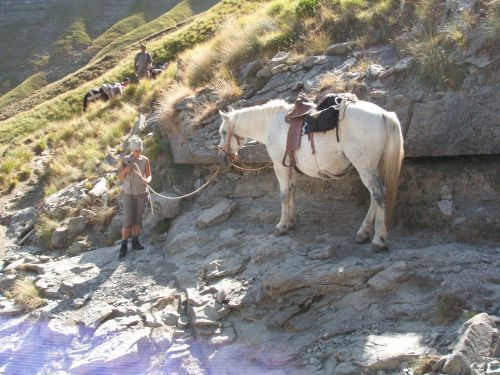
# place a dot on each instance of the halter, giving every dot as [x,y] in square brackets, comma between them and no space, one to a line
[227,147]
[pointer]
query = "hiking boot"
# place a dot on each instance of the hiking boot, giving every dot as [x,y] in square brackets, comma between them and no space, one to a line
[123,251]
[136,245]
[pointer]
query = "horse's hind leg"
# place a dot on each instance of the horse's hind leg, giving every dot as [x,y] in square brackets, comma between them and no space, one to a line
[287,199]
[376,187]
[366,229]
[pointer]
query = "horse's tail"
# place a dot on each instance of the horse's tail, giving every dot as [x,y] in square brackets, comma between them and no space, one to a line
[391,162]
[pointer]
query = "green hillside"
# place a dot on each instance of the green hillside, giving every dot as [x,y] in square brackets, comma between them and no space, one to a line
[105,50]
[30,85]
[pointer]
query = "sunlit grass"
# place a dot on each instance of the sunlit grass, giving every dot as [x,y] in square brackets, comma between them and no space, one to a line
[26,295]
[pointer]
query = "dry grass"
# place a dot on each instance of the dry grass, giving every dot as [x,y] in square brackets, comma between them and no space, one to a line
[44,229]
[331,82]
[238,40]
[226,88]
[317,42]
[167,102]
[200,64]
[425,364]
[26,295]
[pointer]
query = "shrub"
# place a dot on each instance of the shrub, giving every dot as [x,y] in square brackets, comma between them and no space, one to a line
[40,146]
[44,229]
[306,7]
[26,295]
[449,308]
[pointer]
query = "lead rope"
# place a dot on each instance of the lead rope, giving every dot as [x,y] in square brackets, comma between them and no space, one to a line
[185,195]
[252,169]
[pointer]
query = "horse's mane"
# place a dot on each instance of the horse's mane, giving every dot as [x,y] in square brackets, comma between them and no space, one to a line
[259,113]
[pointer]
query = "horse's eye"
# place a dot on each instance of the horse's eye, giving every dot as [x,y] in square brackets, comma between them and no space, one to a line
[223,132]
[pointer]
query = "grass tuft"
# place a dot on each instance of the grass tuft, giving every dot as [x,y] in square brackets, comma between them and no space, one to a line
[26,295]
[166,105]
[449,308]
[425,364]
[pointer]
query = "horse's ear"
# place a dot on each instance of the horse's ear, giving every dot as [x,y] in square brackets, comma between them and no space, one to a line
[224,115]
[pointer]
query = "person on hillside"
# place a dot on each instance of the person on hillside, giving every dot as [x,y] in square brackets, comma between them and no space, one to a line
[143,62]
[135,172]
[105,92]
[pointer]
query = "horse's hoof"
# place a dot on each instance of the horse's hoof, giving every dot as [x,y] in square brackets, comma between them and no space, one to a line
[362,238]
[278,232]
[379,248]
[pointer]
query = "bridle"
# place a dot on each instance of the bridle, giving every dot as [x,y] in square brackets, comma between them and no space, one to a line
[227,147]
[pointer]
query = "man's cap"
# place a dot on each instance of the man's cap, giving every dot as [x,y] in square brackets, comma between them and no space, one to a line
[135,143]
[143,45]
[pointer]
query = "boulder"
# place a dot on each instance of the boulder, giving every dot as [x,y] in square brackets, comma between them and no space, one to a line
[279,58]
[67,197]
[163,208]
[249,70]
[76,225]
[23,221]
[456,125]
[60,237]
[474,345]
[337,49]
[389,351]
[77,247]
[374,71]
[100,188]
[217,214]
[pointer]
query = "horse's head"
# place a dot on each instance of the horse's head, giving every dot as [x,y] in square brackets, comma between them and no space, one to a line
[230,142]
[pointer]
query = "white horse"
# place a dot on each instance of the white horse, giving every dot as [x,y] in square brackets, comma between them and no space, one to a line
[370,139]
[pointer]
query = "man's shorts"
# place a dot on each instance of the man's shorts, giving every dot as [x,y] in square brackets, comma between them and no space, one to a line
[133,209]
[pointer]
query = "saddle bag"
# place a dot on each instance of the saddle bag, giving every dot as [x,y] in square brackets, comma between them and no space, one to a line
[321,121]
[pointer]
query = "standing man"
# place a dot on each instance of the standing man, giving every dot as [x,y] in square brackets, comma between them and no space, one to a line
[135,172]
[143,63]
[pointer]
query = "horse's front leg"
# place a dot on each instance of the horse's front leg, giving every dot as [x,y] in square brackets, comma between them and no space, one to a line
[287,199]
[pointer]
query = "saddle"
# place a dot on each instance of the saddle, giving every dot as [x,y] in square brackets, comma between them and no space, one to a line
[295,117]
[307,118]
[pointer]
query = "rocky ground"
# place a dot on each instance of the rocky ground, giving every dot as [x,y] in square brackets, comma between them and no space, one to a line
[218,293]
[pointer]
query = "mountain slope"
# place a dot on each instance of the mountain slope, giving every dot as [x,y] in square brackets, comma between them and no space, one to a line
[72,50]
